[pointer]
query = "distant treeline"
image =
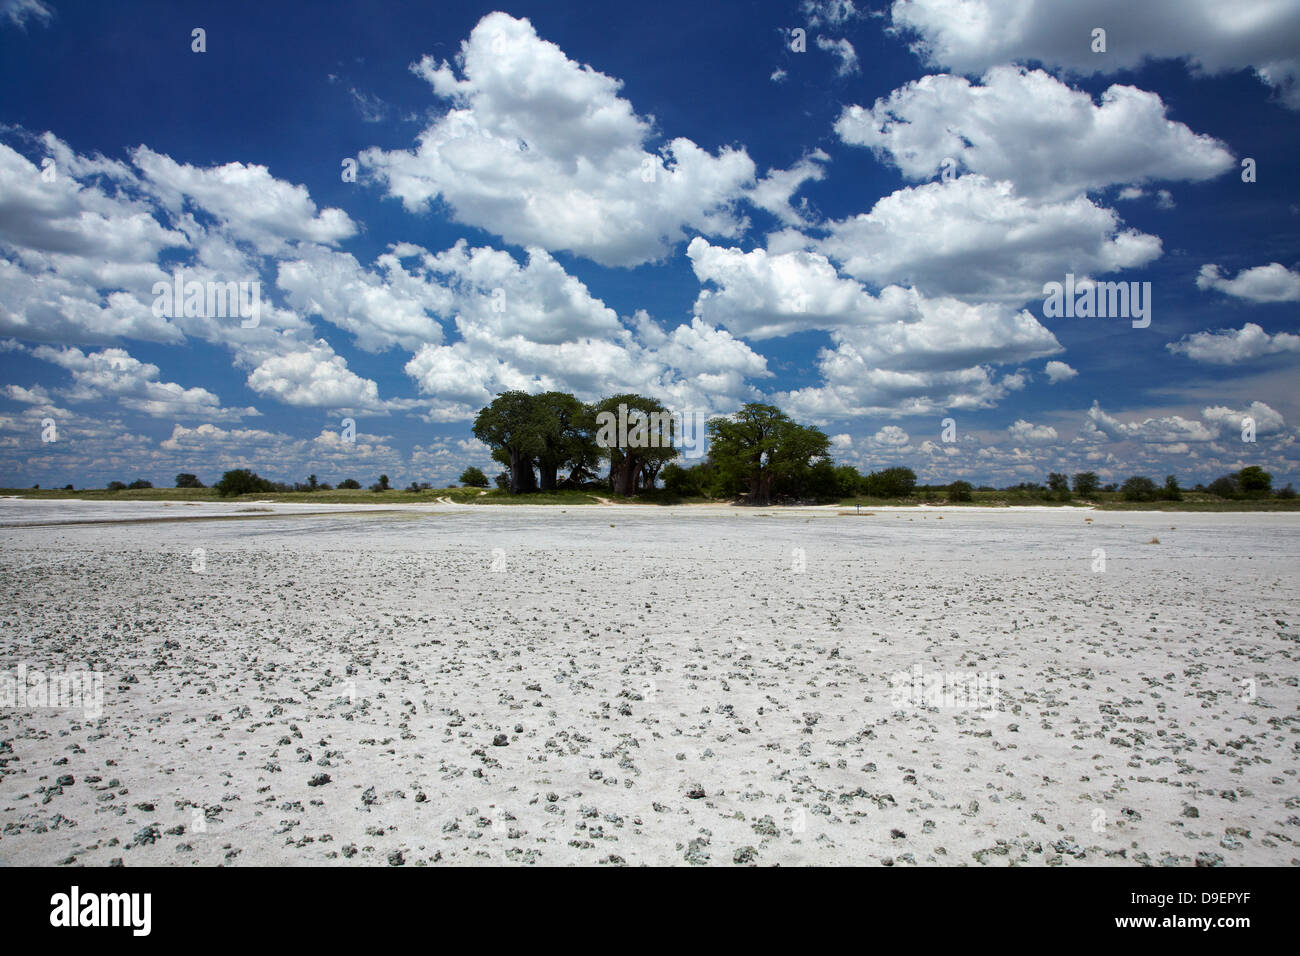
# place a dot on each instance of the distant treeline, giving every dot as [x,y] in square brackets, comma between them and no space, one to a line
[626,444]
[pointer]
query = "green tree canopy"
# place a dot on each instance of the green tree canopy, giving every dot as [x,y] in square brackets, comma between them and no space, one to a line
[1139,488]
[565,430]
[1086,484]
[241,481]
[636,434]
[509,427]
[761,445]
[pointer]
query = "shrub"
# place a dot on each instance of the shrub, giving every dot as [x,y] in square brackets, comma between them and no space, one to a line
[960,491]
[1086,484]
[349,483]
[1140,488]
[186,480]
[1254,481]
[890,483]
[1225,487]
[116,486]
[241,481]
[1171,490]
[473,477]
[140,483]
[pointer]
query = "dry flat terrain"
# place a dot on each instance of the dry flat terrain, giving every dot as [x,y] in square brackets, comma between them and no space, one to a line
[623,684]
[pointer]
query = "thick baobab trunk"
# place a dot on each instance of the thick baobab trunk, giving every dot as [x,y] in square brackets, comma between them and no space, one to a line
[624,474]
[547,479]
[521,474]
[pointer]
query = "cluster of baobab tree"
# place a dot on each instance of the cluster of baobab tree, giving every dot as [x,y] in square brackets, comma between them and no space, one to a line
[554,440]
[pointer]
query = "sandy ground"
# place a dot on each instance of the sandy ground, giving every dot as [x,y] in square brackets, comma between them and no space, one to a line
[487,685]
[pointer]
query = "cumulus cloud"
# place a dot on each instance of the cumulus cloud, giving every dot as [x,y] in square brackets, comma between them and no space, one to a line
[761,295]
[974,238]
[248,201]
[1230,346]
[36,395]
[891,435]
[1230,421]
[1271,283]
[314,376]
[1028,127]
[693,366]
[971,36]
[538,301]
[1058,372]
[1169,428]
[773,192]
[82,249]
[1024,431]
[543,151]
[381,308]
[114,375]
[899,350]
[62,242]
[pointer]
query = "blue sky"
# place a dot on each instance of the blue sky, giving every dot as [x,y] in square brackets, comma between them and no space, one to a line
[671,199]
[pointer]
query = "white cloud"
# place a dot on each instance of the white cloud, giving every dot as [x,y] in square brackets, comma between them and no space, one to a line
[833,13]
[891,435]
[1058,372]
[761,295]
[843,51]
[314,376]
[36,395]
[248,201]
[539,301]
[542,151]
[18,12]
[208,435]
[81,253]
[1267,420]
[774,190]
[1213,37]
[1024,431]
[114,375]
[852,388]
[380,308]
[1025,126]
[899,351]
[1170,428]
[694,366]
[974,238]
[1271,283]
[1229,346]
